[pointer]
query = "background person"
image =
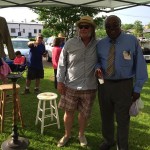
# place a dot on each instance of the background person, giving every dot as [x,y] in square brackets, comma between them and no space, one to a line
[35,64]
[19,62]
[19,59]
[63,39]
[55,57]
[123,85]
[76,80]
[4,71]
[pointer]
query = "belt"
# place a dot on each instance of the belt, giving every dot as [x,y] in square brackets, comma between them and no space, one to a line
[117,80]
[81,91]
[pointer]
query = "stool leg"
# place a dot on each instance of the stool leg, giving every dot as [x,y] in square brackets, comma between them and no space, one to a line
[1,105]
[3,110]
[57,116]
[1,97]
[38,112]
[51,108]
[43,116]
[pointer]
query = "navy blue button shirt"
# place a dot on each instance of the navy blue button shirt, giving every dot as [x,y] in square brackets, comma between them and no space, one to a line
[36,55]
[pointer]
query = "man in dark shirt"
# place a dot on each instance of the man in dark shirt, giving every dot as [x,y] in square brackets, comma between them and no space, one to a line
[35,64]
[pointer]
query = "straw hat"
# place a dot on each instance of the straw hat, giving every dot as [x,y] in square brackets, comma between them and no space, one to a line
[86,19]
[61,35]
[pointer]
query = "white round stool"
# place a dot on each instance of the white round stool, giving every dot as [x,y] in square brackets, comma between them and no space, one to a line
[52,111]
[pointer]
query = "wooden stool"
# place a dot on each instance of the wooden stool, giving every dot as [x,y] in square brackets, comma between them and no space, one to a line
[4,100]
[43,98]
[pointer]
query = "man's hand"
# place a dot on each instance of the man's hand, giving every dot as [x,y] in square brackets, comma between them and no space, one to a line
[61,88]
[135,96]
[32,43]
[98,73]
[45,54]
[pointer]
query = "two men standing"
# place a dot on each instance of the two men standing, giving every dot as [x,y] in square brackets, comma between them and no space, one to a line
[123,69]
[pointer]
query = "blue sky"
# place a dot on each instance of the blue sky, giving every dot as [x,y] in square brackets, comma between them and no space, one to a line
[130,15]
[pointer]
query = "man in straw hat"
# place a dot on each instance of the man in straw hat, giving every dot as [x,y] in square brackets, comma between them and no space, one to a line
[76,80]
[63,39]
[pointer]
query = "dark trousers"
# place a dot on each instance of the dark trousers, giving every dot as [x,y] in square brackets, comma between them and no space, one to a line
[55,78]
[115,101]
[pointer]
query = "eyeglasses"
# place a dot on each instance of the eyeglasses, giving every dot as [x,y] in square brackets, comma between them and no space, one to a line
[84,26]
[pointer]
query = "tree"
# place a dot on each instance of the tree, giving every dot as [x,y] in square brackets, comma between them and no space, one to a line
[148,25]
[101,33]
[33,20]
[127,27]
[62,19]
[46,32]
[138,28]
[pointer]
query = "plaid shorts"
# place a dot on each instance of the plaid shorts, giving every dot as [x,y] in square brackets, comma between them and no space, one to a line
[81,100]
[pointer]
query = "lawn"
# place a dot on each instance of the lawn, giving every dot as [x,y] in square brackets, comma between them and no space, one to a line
[139,138]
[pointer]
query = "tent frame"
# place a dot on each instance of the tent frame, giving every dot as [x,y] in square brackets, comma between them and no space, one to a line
[104,5]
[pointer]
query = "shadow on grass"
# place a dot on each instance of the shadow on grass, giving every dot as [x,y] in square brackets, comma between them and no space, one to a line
[138,130]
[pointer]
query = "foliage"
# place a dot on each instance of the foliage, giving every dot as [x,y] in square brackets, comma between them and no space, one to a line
[147,35]
[63,19]
[32,39]
[100,33]
[127,27]
[138,28]
[47,32]
[148,25]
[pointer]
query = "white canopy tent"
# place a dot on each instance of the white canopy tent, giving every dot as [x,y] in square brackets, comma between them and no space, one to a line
[104,5]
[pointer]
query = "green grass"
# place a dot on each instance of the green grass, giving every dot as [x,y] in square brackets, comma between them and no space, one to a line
[139,138]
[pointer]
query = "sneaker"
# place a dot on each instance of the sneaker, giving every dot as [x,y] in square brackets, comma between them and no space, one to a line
[63,141]
[83,141]
[37,91]
[26,91]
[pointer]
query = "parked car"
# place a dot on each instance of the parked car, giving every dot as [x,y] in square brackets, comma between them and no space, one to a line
[142,39]
[145,45]
[19,44]
[146,54]
[48,47]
